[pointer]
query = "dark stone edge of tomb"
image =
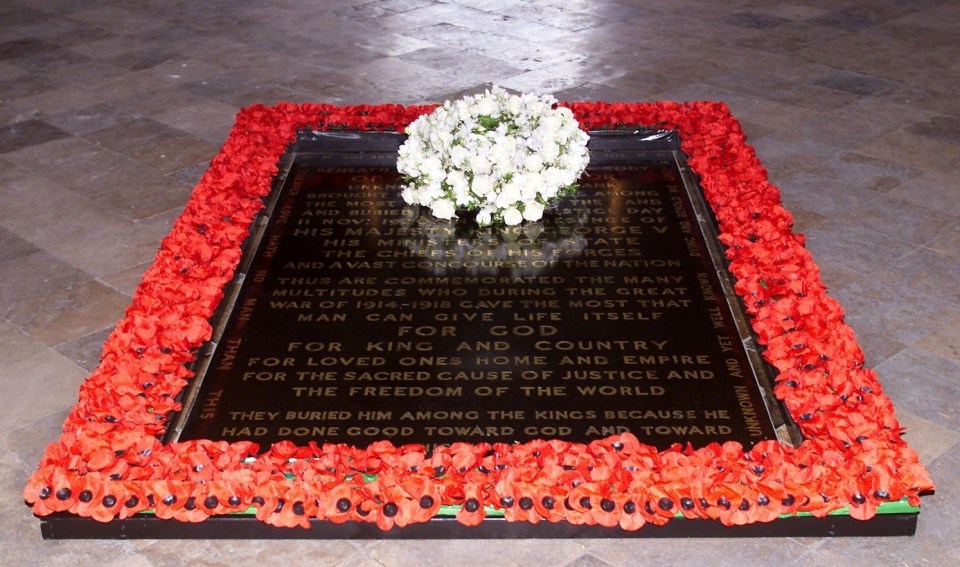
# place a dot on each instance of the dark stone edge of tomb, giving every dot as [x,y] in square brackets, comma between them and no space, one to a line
[66,526]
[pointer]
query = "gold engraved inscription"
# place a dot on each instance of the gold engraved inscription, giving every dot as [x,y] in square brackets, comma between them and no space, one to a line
[416,331]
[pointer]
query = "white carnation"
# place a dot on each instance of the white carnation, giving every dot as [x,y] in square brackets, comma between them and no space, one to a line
[533,163]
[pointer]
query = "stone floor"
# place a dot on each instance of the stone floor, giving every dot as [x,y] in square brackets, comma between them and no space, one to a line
[110,110]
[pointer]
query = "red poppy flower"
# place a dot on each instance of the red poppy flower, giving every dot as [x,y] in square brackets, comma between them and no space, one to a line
[88,495]
[339,504]
[424,495]
[472,509]
[135,500]
[517,501]
[168,497]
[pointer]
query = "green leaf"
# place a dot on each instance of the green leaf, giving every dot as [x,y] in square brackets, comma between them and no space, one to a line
[488,122]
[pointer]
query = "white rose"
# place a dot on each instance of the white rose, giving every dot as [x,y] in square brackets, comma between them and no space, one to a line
[487,106]
[509,193]
[500,155]
[538,148]
[512,217]
[532,211]
[482,184]
[409,195]
[484,217]
[443,209]
[428,193]
[553,177]
[514,104]
[432,167]
[551,123]
[549,192]
[457,180]
[536,183]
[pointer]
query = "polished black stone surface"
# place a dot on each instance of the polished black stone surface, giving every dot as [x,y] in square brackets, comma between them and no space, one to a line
[360,318]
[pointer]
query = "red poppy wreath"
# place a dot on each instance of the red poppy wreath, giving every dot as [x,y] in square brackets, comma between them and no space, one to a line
[109,463]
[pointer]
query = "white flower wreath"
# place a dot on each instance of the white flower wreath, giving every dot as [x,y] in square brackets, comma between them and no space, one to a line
[505,156]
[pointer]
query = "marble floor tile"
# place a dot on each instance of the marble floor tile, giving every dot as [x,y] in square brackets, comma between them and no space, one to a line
[902,219]
[903,317]
[943,339]
[69,225]
[925,271]
[85,120]
[157,145]
[75,312]
[854,170]
[15,345]
[822,193]
[923,384]
[32,274]
[856,83]
[54,100]
[876,346]
[790,37]
[791,152]
[504,552]
[103,176]
[943,15]
[440,58]
[208,120]
[928,439]
[126,280]
[853,125]
[86,351]
[939,128]
[39,384]
[28,133]
[913,150]
[938,190]
[754,20]
[18,49]
[855,248]
[849,20]
[10,71]
[721,552]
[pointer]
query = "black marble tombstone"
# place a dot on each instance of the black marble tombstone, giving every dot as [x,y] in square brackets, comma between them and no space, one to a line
[359,318]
